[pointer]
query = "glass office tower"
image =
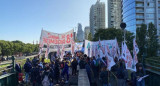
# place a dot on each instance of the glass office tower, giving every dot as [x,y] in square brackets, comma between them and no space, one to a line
[137,12]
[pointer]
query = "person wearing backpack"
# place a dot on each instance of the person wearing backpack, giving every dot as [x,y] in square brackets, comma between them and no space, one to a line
[27,68]
[46,77]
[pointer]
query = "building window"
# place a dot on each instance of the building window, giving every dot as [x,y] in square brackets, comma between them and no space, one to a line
[149,15]
[150,10]
[149,21]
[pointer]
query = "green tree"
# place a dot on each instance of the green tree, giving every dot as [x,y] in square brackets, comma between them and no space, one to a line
[16,47]
[6,48]
[141,33]
[0,50]
[36,48]
[89,36]
[152,47]
[28,48]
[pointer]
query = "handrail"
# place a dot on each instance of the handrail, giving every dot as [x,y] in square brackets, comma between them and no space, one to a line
[151,59]
[6,69]
[152,66]
[7,66]
[5,63]
[5,75]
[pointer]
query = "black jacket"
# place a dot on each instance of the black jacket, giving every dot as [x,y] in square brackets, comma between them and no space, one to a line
[104,77]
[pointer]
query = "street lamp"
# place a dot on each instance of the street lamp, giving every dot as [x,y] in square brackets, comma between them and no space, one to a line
[123,26]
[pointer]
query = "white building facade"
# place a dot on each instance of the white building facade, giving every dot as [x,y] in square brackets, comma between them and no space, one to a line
[114,13]
[97,17]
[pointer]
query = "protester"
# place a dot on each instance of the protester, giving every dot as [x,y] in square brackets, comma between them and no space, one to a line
[56,72]
[122,74]
[18,72]
[104,77]
[65,70]
[82,63]
[140,73]
[94,66]
[34,75]
[74,66]
[88,69]
[34,61]
[18,68]
[46,77]
[27,68]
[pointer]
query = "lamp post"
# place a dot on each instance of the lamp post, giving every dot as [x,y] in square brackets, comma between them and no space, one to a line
[123,26]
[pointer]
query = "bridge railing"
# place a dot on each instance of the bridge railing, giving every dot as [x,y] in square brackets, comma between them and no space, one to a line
[152,66]
[7,73]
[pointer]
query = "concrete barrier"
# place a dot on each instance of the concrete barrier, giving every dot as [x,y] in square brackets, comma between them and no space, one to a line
[83,78]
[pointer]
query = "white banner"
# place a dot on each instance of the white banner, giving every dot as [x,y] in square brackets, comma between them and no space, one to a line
[78,46]
[56,40]
[98,48]
[103,49]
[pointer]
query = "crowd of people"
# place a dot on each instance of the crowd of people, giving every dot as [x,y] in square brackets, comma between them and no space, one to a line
[40,73]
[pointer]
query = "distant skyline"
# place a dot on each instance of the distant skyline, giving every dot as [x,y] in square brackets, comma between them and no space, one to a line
[24,19]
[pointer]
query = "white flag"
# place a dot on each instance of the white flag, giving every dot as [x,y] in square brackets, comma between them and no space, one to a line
[110,60]
[127,56]
[135,52]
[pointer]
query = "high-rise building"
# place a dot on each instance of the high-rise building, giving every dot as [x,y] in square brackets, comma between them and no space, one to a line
[137,12]
[80,33]
[114,13]
[97,17]
[86,32]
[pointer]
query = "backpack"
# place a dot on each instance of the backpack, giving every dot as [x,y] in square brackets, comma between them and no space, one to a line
[45,81]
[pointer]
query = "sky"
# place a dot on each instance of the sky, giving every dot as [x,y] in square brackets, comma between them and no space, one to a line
[24,19]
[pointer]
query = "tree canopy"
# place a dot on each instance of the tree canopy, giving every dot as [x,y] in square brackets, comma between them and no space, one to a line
[147,40]
[10,48]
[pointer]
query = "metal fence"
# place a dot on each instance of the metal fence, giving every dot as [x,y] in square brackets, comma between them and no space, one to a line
[152,67]
[8,76]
